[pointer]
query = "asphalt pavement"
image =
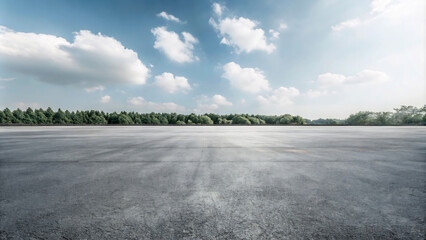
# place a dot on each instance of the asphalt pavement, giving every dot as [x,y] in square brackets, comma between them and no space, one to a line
[212,182]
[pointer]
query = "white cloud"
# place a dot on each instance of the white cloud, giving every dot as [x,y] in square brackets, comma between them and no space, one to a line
[242,34]
[397,11]
[6,79]
[280,96]
[283,26]
[364,77]
[221,100]
[171,83]
[217,9]
[91,60]
[274,34]
[167,16]
[206,107]
[331,79]
[315,93]
[211,104]
[93,89]
[175,49]
[105,99]
[153,106]
[378,6]
[387,10]
[367,76]
[346,24]
[250,80]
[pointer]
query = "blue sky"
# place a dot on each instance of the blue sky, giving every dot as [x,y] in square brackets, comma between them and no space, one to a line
[324,58]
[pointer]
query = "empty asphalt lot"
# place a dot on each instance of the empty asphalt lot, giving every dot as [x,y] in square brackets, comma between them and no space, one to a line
[212,182]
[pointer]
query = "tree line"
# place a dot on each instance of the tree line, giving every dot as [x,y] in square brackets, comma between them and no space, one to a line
[405,115]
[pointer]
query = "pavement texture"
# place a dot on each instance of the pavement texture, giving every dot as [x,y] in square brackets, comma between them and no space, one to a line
[220,182]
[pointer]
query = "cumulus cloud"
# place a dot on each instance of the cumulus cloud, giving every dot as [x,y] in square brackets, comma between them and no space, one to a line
[364,77]
[153,106]
[368,76]
[105,99]
[331,79]
[211,104]
[283,26]
[91,60]
[316,93]
[346,24]
[250,80]
[171,44]
[378,6]
[206,107]
[274,34]
[221,100]
[167,16]
[171,83]
[242,34]
[280,96]
[93,89]
[217,9]
[388,10]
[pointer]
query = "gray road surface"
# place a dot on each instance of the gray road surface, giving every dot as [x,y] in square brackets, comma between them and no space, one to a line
[212,182]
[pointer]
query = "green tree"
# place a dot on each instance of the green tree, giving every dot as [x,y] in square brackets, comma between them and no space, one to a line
[124,119]
[383,118]
[19,116]
[3,118]
[155,121]
[40,117]
[285,119]
[405,114]
[172,119]
[298,120]
[9,116]
[146,119]
[214,118]
[59,117]
[163,120]
[253,120]
[113,118]
[240,120]
[360,118]
[49,114]
[77,118]
[193,118]
[29,117]
[205,120]
[181,117]
[67,117]
[97,118]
